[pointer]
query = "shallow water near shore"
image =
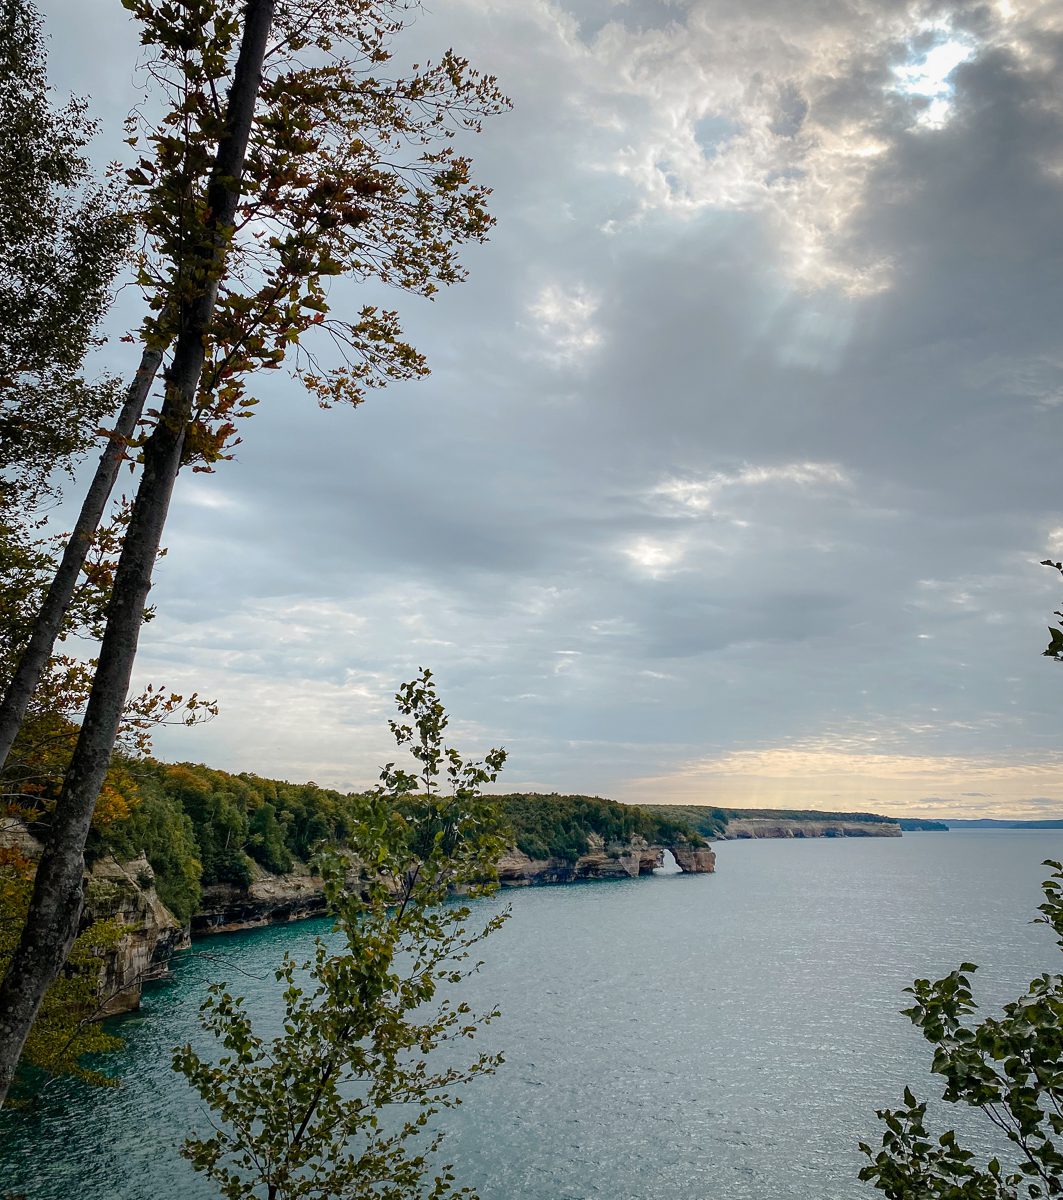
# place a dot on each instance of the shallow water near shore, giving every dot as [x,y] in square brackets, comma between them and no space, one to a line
[674,1037]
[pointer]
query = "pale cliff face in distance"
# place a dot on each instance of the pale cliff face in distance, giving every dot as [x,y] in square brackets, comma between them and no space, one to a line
[740,449]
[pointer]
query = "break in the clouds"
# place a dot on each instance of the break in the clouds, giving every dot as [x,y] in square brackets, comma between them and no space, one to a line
[741,443]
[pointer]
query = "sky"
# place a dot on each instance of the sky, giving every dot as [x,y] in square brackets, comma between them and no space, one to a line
[741,444]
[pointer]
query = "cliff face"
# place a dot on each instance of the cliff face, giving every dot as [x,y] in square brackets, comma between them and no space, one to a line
[694,860]
[615,860]
[125,893]
[269,900]
[272,898]
[781,827]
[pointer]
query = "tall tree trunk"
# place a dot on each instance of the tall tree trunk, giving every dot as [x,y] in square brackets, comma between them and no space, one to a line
[55,908]
[49,620]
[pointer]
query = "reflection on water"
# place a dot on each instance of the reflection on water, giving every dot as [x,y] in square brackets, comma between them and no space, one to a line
[675,1037]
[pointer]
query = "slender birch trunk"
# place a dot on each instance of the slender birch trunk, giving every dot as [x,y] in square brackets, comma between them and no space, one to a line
[49,620]
[55,908]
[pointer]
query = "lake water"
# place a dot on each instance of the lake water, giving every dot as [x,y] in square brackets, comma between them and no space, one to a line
[677,1037]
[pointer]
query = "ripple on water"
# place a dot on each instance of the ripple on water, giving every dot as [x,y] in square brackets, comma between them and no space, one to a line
[676,1038]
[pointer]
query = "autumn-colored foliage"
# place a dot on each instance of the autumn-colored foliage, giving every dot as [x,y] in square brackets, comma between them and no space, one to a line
[66,1029]
[285,155]
[350,171]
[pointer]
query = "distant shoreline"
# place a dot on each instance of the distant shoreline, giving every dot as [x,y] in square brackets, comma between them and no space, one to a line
[997,823]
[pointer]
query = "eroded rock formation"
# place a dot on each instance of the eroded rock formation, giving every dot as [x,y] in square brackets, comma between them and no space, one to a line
[694,860]
[125,893]
[615,860]
[270,899]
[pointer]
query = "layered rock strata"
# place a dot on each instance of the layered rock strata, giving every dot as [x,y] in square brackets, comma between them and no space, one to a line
[602,861]
[694,860]
[122,892]
[781,827]
[268,900]
[125,893]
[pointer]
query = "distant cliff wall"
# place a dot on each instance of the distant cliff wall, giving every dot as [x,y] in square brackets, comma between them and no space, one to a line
[615,860]
[781,827]
[269,900]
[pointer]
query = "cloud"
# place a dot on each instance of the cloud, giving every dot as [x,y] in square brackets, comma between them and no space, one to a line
[695,496]
[813,777]
[655,557]
[564,322]
[740,447]
[784,115]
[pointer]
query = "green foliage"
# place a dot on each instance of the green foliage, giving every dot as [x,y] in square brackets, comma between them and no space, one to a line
[159,827]
[340,1104]
[804,814]
[65,1030]
[1055,636]
[62,239]
[1008,1067]
[200,826]
[212,802]
[708,822]
[559,826]
[265,841]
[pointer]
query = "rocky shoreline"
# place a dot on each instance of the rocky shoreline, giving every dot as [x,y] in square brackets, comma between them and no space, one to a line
[627,860]
[125,893]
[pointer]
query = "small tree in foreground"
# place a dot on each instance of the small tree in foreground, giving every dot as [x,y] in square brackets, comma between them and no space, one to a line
[340,1104]
[285,153]
[1010,1068]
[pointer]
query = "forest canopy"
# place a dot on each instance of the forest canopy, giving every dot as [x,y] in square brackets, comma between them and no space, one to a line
[200,826]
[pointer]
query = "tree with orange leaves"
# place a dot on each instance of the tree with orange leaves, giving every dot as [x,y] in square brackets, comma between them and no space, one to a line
[287,156]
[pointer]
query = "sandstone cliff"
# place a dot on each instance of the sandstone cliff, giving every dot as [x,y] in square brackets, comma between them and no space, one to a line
[268,900]
[125,893]
[274,898]
[602,861]
[781,827]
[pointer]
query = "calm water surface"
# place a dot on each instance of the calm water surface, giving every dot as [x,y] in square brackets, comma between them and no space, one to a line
[679,1037]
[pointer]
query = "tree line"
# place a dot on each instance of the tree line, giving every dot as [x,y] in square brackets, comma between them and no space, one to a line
[281,149]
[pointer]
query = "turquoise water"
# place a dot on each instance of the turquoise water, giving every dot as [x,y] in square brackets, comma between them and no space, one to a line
[677,1037]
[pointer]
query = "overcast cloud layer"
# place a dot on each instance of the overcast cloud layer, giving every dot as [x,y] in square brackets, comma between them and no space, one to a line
[741,445]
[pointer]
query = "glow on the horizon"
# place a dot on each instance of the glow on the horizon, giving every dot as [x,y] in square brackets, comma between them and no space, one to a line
[861,778]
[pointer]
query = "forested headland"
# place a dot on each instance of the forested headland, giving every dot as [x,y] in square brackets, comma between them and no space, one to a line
[716,822]
[199,826]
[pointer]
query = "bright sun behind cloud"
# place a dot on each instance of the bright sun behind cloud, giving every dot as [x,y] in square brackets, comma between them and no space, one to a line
[928,76]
